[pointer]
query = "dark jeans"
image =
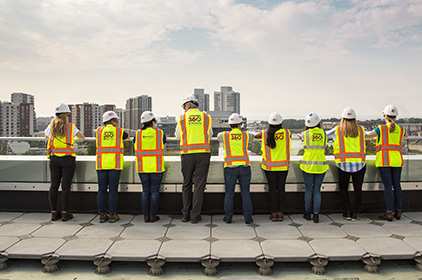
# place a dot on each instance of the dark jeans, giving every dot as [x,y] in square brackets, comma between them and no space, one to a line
[62,170]
[313,183]
[343,181]
[150,192]
[390,177]
[231,175]
[108,178]
[195,171]
[276,189]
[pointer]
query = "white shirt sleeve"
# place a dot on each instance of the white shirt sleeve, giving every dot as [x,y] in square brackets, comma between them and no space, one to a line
[47,131]
[220,137]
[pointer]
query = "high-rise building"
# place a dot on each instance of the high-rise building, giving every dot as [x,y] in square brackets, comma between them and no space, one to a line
[203,98]
[135,106]
[88,116]
[17,118]
[227,100]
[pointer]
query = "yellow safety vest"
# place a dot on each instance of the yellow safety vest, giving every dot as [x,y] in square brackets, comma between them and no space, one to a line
[149,150]
[314,160]
[110,147]
[389,146]
[277,159]
[349,149]
[194,127]
[235,143]
[62,146]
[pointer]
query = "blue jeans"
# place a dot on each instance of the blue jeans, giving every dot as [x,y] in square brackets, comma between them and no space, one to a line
[231,175]
[313,184]
[150,192]
[108,178]
[390,177]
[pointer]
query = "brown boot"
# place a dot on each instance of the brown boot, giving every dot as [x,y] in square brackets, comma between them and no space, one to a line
[397,214]
[388,216]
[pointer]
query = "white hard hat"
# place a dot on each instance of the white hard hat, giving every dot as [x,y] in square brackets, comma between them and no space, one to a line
[62,108]
[391,110]
[235,118]
[348,113]
[275,118]
[147,116]
[190,99]
[109,115]
[312,119]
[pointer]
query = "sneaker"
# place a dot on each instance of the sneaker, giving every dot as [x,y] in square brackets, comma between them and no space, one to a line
[354,216]
[307,216]
[102,218]
[66,216]
[397,214]
[56,215]
[388,216]
[227,221]
[114,218]
[280,216]
[249,222]
[273,217]
[316,218]
[154,219]
[347,215]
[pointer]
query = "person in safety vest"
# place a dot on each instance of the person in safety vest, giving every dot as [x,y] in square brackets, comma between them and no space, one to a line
[194,132]
[350,156]
[149,151]
[275,150]
[389,161]
[61,137]
[237,167]
[109,164]
[313,164]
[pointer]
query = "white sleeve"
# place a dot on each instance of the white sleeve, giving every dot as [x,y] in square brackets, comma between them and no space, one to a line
[75,131]
[47,131]
[220,137]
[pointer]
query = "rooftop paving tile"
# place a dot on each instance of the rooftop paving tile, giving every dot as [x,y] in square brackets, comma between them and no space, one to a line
[387,248]
[233,231]
[271,231]
[139,220]
[83,249]
[322,231]
[7,241]
[35,247]
[143,232]
[35,218]
[236,220]
[407,230]
[416,216]
[238,250]
[185,250]
[177,220]
[100,231]
[338,249]
[17,229]
[414,242]
[188,232]
[80,218]
[287,250]
[298,218]
[57,230]
[338,218]
[8,216]
[365,230]
[138,250]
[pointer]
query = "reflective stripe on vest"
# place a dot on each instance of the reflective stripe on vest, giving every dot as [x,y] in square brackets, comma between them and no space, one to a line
[232,147]
[388,149]
[341,141]
[149,151]
[62,146]
[314,160]
[109,157]
[194,143]
[269,159]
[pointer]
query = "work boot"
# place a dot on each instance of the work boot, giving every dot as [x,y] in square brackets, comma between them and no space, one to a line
[307,216]
[397,214]
[273,217]
[388,216]
[103,217]
[56,215]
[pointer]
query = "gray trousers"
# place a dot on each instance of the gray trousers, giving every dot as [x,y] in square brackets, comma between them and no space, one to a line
[195,171]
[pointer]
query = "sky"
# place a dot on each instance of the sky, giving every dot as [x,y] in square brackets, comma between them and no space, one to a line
[291,57]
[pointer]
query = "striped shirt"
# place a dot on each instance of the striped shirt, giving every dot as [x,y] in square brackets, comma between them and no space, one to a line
[350,167]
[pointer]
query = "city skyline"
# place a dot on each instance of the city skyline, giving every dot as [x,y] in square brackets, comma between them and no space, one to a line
[291,57]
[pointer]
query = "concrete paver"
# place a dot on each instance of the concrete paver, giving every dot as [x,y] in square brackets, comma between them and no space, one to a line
[408,230]
[236,250]
[144,232]
[276,232]
[365,230]
[322,231]
[188,232]
[136,250]
[35,247]
[34,218]
[8,216]
[338,249]
[100,231]
[338,218]
[18,229]
[387,248]
[57,230]
[7,241]
[84,249]
[233,231]
[287,250]
[185,250]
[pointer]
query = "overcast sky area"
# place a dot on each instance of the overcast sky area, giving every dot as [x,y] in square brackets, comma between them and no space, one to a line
[290,57]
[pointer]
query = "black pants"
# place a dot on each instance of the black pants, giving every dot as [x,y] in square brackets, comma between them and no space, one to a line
[195,170]
[343,180]
[62,170]
[276,189]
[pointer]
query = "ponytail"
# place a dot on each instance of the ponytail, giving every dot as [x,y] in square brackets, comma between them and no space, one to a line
[392,120]
[58,126]
[270,142]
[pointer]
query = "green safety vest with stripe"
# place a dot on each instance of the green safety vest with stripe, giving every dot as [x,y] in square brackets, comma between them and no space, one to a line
[235,143]
[277,159]
[62,146]
[194,127]
[110,147]
[349,149]
[389,146]
[314,160]
[149,150]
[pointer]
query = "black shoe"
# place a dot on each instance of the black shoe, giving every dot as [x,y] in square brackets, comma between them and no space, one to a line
[354,216]
[185,218]
[66,216]
[154,219]
[227,221]
[56,215]
[347,215]
[249,222]
[197,220]
[316,218]
[307,216]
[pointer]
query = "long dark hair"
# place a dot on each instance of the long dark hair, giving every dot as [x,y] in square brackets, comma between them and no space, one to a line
[147,124]
[272,128]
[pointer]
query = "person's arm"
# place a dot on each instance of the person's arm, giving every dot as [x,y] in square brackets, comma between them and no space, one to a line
[251,137]
[177,132]
[373,133]
[164,138]
[79,135]
[220,137]
[125,135]
[331,134]
[258,135]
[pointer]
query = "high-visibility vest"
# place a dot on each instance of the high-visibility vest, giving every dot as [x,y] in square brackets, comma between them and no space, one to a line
[110,147]
[62,146]
[389,146]
[235,143]
[194,127]
[314,160]
[149,150]
[277,159]
[349,149]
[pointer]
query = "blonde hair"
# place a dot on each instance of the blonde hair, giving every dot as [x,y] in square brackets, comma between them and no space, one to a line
[349,127]
[58,126]
[392,120]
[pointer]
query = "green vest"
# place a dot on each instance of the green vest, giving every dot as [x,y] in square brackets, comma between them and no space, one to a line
[235,148]
[389,146]
[314,160]
[277,159]
[349,149]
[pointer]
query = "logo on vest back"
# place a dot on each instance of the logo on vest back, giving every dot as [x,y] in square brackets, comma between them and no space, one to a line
[317,137]
[195,119]
[108,135]
[236,136]
[279,136]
